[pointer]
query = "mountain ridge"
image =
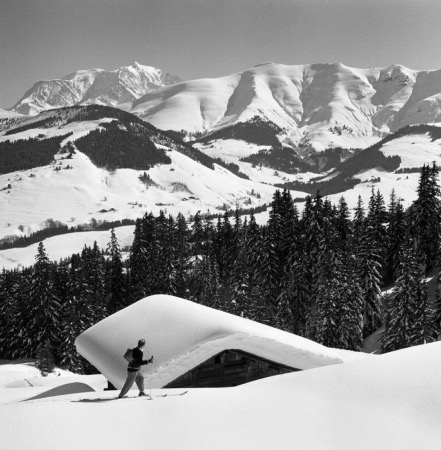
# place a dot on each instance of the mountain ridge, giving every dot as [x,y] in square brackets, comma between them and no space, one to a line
[93,86]
[318,106]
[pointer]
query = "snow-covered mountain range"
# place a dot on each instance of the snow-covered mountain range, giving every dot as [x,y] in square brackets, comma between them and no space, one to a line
[316,106]
[324,127]
[95,86]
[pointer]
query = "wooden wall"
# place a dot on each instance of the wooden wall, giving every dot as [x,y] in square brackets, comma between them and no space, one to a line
[229,368]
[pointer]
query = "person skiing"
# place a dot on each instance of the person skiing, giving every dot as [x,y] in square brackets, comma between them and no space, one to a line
[133,370]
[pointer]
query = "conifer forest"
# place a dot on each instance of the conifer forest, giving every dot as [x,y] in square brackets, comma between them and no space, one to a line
[328,274]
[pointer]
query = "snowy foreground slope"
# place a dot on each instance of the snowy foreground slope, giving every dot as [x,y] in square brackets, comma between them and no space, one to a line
[181,335]
[387,402]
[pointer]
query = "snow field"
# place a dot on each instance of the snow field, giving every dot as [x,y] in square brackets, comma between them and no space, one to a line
[387,402]
[59,247]
[76,195]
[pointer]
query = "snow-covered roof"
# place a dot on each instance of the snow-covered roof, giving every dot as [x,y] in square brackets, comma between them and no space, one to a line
[181,334]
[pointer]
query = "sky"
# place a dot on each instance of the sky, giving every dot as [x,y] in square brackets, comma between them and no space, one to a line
[48,39]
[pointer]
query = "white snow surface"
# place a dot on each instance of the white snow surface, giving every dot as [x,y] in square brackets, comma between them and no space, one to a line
[5,114]
[76,195]
[181,334]
[391,401]
[311,103]
[59,247]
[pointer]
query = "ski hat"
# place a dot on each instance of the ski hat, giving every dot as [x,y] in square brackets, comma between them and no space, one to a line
[141,342]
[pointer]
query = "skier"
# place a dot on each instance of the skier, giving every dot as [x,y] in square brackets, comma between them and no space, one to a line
[133,370]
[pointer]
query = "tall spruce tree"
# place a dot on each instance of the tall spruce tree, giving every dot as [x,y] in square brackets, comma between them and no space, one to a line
[44,318]
[396,232]
[409,316]
[76,313]
[93,268]
[425,214]
[13,318]
[368,272]
[115,282]
[138,262]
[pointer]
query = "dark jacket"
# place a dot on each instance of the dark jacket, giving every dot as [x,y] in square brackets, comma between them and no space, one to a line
[137,362]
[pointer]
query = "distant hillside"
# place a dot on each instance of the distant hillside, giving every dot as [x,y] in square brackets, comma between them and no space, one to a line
[256,131]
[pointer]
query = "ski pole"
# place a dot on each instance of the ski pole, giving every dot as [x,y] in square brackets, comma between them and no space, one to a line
[150,381]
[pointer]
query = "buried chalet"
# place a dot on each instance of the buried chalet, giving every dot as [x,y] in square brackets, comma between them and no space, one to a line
[197,346]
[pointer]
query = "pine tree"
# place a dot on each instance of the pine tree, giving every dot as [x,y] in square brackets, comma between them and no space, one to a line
[359,225]
[410,318]
[343,224]
[77,316]
[368,275]
[182,251]
[425,213]
[115,283]
[44,319]
[240,280]
[93,268]
[204,281]
[45,362]
[350,320]
[149,267]
[323,319]
[226,243]
[269,276]
[376,228]
[13,318]
[138,262]
[395,237]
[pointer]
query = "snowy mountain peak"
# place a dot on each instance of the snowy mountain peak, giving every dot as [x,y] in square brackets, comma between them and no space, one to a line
[318,106]
[94,86]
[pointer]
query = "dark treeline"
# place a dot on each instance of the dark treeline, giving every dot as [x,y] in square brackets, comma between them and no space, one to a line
[24,154]
[343,180]
[256,131]
[317,274]
[115,148]
[278,158]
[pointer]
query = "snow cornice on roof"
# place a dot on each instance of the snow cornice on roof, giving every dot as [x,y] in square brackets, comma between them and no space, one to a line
[181,335]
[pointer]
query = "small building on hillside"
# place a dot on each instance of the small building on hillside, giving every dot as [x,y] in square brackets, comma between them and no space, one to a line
[197,346]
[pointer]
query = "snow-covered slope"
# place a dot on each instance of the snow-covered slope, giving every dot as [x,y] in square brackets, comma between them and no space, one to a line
[391,401]
[318,105]
[59,247]
[181,335]
[414,150]
[5,114]
[95,86]
[75,190]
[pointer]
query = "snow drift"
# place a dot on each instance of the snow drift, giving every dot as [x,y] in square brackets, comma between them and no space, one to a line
[181,335]
[386,402]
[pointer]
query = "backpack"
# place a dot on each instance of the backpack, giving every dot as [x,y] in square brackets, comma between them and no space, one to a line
[128,355]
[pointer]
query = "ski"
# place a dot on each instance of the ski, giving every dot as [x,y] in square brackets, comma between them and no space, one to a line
[170,395]
[146,397]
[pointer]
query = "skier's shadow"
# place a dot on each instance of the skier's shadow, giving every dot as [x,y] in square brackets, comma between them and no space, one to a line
[93,400]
